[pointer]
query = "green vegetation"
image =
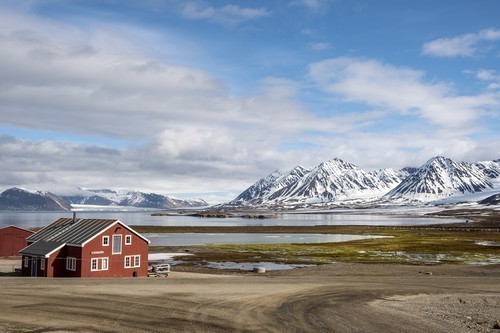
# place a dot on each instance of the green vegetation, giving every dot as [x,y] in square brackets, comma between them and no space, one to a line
[405,245]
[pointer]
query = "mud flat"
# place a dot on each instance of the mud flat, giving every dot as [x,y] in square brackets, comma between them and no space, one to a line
[343,297]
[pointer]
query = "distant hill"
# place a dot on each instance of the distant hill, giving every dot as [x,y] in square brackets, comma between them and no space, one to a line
[491,200]
[21,199]
[29,200]
[108,197]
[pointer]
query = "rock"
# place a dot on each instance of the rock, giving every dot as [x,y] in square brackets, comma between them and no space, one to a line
[496,326]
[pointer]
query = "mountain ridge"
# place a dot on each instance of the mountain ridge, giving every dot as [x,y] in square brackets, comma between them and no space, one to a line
[17,199]
[336,180]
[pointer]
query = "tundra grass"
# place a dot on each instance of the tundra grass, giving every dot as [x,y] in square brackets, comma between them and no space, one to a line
[405,246]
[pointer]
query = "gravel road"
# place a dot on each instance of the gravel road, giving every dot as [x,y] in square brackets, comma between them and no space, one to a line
[332,298]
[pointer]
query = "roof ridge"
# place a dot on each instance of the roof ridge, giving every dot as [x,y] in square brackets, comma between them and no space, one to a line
[63,229]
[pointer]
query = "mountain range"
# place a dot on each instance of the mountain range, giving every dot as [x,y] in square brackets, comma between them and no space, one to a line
[335,181]
[33,200]
[329,184]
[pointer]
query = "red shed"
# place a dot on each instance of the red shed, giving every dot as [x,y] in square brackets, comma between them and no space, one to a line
[86,248]
[12,240]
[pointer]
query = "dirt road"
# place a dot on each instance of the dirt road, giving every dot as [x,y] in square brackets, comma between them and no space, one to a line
[334,298]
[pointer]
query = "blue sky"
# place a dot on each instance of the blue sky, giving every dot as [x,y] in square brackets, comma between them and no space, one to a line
[203,98]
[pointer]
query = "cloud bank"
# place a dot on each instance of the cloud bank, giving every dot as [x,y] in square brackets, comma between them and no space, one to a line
[103,112]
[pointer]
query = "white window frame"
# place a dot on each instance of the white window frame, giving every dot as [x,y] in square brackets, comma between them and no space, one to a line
[104,267]
[99,264]
[113,245]
[137,261]
[42,264]
[132,261]
[71,264]
[128,239]
[127,261]
[94,264]
[26,261]
[105,240]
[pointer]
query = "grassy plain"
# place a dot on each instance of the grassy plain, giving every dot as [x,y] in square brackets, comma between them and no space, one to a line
[477,242]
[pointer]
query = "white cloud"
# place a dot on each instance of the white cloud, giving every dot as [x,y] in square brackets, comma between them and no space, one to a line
[226,15]
[180,122]
[179,129]
[311,4]
[467,45]
[276,87]
[490,76]
[400,89]
[320,46]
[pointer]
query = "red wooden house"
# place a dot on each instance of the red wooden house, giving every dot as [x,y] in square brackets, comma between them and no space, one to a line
[13,239]
[72,247]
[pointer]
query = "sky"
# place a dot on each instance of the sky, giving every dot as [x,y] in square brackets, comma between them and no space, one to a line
[198,98]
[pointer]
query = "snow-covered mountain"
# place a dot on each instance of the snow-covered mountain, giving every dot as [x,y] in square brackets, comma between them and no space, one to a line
[493,200]
[441,177]
[329,181]
[30,200]
[490,168]
[333,180]
[336,180]
[107,197]
[266,187]
[392,177]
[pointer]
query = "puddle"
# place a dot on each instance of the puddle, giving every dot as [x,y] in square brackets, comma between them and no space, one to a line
[249,266]
[166,256]
[487,243]
[194,239]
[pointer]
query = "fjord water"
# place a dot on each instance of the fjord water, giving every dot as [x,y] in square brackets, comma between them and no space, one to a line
[192,239]
[41,219]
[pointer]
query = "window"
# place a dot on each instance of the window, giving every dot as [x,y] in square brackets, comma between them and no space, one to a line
[93,265]
[71,264]
[117,244]
[104,264]
[105,240]
[128,240]
[26,261]
[42,264]
[132,261]
[99,264]
[127,261]
[137,261]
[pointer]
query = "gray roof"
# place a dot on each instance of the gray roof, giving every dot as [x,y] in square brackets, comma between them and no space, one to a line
[41,248]
[69,231]
[75,232]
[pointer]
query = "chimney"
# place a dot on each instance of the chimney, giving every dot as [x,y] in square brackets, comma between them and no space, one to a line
[74,216]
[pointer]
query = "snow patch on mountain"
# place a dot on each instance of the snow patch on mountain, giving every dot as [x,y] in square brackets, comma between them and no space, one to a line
[108,197]
[32,200]
[265,188]
[332,182]
[442,177]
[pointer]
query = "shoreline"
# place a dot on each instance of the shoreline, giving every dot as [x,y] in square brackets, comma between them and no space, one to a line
[461,243]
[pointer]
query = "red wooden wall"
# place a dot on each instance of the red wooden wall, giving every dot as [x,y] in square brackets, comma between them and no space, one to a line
[12,240]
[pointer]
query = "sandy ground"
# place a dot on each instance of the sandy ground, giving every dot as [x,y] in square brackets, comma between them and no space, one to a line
[332,298]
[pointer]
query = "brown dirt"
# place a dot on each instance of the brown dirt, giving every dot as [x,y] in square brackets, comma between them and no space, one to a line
[332,298]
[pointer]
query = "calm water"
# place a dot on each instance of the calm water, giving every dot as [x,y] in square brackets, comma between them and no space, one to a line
[191,239]
[40,219]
